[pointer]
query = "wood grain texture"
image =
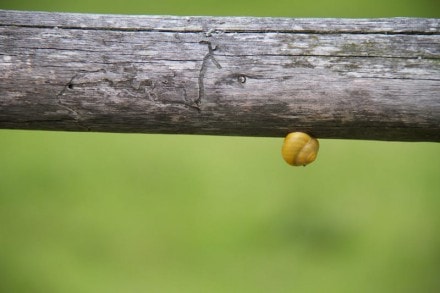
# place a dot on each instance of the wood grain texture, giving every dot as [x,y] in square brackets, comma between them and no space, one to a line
[333,78]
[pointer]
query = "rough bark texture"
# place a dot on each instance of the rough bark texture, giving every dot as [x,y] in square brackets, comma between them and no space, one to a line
[334,78]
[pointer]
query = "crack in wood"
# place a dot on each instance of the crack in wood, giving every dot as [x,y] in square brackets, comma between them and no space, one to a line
[76,115]
[202,73]
[321,31]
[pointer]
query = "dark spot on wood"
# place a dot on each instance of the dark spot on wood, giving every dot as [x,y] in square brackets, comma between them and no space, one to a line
[146,82]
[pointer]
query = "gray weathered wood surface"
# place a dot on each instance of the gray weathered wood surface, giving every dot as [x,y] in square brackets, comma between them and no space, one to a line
[334,78]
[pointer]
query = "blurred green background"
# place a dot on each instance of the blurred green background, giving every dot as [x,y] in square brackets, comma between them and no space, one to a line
[93,212]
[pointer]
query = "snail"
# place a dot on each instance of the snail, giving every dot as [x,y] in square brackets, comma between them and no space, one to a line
[299,149]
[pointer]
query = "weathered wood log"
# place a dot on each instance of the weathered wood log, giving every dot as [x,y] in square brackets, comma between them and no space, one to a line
[334,78]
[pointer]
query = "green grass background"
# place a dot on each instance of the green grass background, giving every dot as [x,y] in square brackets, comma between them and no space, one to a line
[93,212]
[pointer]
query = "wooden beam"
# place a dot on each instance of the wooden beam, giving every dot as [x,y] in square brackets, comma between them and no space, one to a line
[333,78]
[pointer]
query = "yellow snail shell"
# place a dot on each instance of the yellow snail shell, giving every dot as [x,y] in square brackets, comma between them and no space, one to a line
[299,149]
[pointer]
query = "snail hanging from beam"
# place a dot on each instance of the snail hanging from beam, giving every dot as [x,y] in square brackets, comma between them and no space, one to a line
[299,149]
